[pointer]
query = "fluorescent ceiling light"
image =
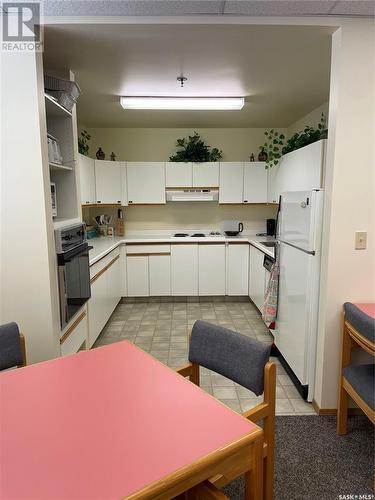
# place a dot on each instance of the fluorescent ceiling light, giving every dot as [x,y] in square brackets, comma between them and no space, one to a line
[183,103]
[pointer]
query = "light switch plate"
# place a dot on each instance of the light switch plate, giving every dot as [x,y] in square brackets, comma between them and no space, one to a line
[360,240]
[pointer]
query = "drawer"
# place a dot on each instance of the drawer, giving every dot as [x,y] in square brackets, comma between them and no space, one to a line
[148,249]
[74,336]
[102,263]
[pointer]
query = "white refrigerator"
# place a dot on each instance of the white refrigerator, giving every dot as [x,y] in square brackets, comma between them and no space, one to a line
[299,233]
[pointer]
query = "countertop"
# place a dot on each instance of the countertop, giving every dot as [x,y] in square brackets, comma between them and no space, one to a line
[105,244]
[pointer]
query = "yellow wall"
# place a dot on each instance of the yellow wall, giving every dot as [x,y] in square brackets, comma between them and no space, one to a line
[157,144]
[312,119]
[203,215]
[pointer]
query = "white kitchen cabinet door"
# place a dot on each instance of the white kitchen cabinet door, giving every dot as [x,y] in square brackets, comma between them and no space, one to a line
[211,269]
[160,275]
[108,181]
[237,269]
[206,174]
[231,182]
[257,277]
[87,179]
[178,174]
[115,284]
[255,182]
[137,275]
[124,185]
[146,182]
[98,307]
[273,185]
[184,269]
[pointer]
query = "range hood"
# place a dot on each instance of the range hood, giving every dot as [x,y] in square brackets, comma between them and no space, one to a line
[191,194]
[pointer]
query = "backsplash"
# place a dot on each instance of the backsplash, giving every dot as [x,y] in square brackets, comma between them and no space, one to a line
[185,215]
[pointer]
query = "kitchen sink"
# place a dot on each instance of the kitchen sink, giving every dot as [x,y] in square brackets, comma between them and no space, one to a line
[268,243]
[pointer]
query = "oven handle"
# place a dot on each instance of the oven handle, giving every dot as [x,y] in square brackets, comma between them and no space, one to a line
[66,257]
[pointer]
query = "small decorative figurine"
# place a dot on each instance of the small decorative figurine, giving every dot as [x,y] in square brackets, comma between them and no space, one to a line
[100,154]
[113,156]
[262,156]
[252,157]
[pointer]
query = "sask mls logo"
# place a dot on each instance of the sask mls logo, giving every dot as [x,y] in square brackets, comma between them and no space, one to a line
[21,30]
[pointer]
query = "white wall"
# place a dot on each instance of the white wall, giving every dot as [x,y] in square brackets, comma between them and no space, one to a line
[347,274]
[28,285]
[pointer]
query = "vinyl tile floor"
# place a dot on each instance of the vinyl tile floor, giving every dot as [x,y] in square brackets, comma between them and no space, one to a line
[162,328]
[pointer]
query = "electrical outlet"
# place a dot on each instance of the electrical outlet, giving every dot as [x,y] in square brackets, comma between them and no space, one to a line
[360,240]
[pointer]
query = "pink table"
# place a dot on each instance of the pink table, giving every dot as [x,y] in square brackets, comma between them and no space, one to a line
[368,309]
[113,423]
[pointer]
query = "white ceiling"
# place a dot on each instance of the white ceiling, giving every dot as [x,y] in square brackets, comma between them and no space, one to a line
[208,7]
[282,71]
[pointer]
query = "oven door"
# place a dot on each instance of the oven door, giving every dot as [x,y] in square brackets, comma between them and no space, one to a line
[74,281]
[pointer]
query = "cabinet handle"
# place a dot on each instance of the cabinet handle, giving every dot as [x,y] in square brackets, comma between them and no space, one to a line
[87,202]
[118,201]
[98,201]
[245,201]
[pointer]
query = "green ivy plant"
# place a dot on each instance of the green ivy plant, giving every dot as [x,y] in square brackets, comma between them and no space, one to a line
[276,148]
[83,146]
[307,136]
[272,147]
[195,150]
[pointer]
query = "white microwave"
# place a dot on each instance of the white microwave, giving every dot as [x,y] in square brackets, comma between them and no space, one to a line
[53,199]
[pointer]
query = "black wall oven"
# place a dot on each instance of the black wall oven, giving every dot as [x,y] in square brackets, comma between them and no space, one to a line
[73,270]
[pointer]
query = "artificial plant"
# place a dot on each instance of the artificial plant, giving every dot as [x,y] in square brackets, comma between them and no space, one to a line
[307,136]
[195,150]
[83,145]
[273,147]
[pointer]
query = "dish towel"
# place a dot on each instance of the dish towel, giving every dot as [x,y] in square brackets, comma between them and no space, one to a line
[269,310]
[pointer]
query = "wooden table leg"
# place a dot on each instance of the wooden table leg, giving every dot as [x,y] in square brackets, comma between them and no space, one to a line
[254,477]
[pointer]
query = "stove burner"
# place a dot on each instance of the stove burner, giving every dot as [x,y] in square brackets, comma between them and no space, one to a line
[180,235]
[198,235]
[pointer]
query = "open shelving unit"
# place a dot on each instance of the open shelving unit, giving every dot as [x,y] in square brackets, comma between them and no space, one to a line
[61,125]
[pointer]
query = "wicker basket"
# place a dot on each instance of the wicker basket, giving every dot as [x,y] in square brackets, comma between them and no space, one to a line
[65,92]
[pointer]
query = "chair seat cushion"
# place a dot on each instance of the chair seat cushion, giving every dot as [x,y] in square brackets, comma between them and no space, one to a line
[10,349]
[361,321]
[362,379]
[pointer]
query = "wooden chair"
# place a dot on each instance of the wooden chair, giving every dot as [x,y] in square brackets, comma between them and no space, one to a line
[12,347]
[356,381]
[245,361]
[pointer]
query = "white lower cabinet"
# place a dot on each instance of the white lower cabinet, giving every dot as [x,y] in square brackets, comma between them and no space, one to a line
[237,269]
[75,335]
[107,287]
[160,275]
[211,269]
[184,269]
[257,277]
[97,307]
[137,275]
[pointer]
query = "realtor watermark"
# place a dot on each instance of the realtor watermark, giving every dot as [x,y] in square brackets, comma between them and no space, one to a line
[368,496]
[21,27]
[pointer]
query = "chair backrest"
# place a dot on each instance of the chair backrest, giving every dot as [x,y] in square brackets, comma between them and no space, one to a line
[10,347]
[240,358]
[363,323]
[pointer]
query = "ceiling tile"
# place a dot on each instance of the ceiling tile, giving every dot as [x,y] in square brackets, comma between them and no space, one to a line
[354,8]
[278,7]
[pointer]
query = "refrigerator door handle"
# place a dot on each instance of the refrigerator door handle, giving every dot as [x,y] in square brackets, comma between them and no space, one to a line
[309,252]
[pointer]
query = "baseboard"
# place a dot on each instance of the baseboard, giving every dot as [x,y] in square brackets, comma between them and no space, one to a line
[333,411]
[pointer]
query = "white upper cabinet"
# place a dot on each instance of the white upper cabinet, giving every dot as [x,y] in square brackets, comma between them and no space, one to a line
[231,182]
[87,180]
[108,181]
[178,174]
[146,182]
[211,269]
[255,182]
[206,174]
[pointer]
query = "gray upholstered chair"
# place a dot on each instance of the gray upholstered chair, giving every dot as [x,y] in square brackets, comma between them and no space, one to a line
[12,347]
[357,381]
[245,361]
